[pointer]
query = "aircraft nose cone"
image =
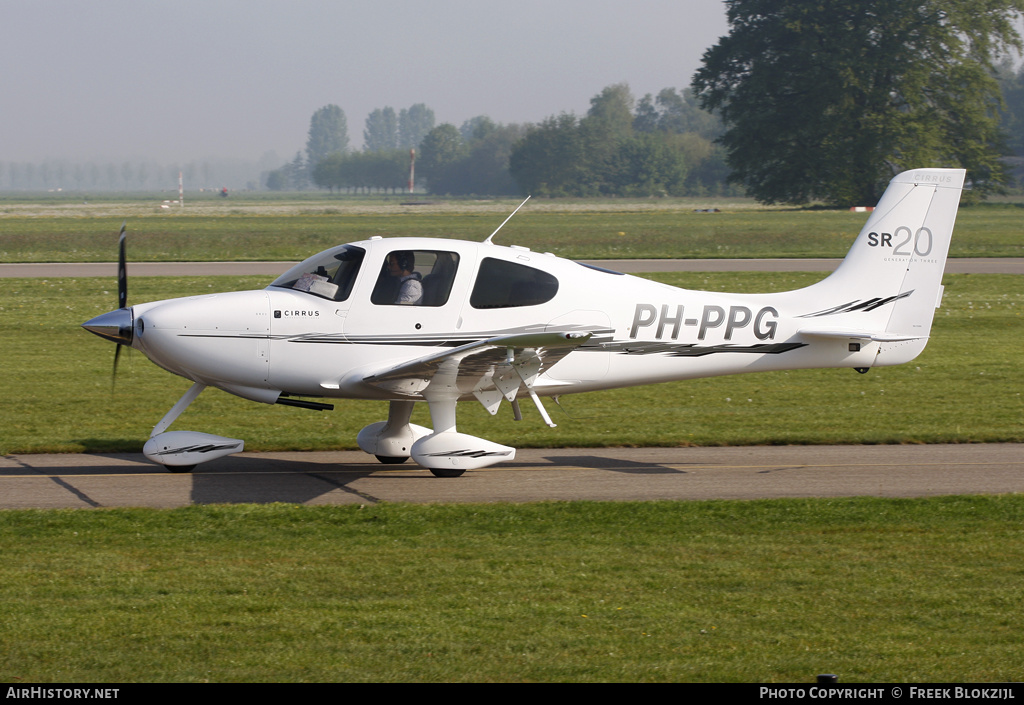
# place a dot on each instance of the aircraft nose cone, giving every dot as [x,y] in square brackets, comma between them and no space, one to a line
[115,326]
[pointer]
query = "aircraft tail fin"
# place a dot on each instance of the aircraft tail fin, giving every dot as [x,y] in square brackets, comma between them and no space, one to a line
[891,280]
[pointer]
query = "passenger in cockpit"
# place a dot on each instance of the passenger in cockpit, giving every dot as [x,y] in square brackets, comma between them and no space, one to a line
[401,265]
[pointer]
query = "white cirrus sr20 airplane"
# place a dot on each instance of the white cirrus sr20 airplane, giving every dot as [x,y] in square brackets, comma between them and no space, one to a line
[407,320]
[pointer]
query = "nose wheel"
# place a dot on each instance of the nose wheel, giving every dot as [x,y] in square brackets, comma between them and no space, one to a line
[446,472]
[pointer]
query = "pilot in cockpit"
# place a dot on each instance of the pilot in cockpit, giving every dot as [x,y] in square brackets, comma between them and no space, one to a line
[401,266]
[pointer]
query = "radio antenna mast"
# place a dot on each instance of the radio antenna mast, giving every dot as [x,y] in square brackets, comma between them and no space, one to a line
[488,240]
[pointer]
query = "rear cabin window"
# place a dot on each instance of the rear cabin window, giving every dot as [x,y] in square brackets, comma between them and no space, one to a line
[502,284]
[415,278]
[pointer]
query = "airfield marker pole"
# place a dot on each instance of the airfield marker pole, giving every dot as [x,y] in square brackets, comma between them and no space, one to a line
[412,169]
[181,191]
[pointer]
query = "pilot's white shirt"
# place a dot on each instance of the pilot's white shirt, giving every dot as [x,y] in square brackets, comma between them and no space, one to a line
[410,290]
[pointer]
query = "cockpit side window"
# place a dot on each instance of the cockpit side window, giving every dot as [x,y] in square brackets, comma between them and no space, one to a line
[329,275]
[415,278]
[502,284]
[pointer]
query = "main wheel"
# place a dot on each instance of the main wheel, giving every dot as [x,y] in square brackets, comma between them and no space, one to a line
[447,472]
[180,468]
[392,459]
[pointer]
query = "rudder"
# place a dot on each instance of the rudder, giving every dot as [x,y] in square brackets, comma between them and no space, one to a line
[890,281]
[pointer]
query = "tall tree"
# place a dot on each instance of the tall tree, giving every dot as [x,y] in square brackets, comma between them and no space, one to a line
[487,165]
[477,128]
[441,150]
[675,112]
[328,133]
[297,173]
[1012,116]
[381,131]
[611,111]
[646,118]
[413,125]
[551,159]
[607,125]
[830,99]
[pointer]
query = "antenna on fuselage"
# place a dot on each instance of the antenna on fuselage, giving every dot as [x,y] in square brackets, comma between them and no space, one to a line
[488,240]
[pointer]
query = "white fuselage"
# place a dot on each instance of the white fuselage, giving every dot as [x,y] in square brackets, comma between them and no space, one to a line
[261,343]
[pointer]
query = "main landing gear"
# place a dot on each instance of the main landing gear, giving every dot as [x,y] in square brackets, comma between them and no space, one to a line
[444,451]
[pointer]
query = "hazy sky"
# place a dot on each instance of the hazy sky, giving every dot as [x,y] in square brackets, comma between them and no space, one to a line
[192,79]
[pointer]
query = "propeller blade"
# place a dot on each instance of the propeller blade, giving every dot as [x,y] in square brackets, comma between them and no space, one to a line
[122,270]
[113,376]
[122,293]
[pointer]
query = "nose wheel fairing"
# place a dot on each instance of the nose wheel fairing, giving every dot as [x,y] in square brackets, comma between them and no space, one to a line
[183,450]
[186,449]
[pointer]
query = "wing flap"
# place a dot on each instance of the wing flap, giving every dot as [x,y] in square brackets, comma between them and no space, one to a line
[501,364]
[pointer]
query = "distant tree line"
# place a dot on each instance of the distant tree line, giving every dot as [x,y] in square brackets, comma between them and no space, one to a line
[328,163]
[473,159]
[379,171]
[134,175]
[661,145]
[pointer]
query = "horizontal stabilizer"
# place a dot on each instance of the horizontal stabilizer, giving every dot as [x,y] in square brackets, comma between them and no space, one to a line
[854,334]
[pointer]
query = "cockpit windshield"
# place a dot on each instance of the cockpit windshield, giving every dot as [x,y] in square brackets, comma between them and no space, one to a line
[329,275]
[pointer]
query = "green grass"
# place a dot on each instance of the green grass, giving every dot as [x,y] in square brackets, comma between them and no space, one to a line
[965,387]
[575,230]
[874,590]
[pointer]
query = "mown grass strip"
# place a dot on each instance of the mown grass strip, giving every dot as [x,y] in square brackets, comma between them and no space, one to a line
[877,590]
[990,230]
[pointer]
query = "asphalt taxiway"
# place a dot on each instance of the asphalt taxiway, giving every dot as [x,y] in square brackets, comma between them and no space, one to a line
[605,474]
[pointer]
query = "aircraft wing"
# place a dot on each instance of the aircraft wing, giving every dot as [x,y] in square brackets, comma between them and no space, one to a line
[489,369]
